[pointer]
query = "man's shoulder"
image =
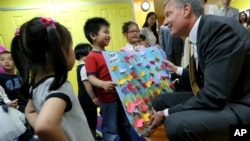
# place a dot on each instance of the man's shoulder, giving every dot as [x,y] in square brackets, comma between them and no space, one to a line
[234,9]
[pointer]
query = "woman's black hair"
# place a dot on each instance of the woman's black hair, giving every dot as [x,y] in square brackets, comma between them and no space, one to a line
[245,16]
[154,27]
[39,47]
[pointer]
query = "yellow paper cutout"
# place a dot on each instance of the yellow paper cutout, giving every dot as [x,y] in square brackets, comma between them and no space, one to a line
[113,68]
[158,90]
[157,58]
[121,81]
[151,72]
[148,84]
[157,68]
[145,116]
[128,77]
[142,73]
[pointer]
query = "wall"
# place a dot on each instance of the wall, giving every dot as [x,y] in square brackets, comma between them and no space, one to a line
[241,4]
[72,15]
[140,15]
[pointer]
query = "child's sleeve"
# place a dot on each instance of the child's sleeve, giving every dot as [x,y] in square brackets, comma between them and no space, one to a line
[4,95]
[91,65]
[83,74]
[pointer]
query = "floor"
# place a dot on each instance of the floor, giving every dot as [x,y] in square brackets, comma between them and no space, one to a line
[159,134]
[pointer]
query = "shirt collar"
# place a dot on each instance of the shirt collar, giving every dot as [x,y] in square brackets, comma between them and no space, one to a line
[129,46]
[81,62]
[193,33]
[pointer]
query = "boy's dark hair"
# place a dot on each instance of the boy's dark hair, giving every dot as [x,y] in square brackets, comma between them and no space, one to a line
[142,37]
[93,26]
[126,26]
[82,50]
[39,47]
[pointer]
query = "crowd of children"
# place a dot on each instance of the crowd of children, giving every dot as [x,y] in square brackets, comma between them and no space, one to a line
[43,54]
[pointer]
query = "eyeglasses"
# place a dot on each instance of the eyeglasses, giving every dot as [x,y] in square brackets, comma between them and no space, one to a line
[133,31]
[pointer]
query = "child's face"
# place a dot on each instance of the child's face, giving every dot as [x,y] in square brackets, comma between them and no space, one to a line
[7,62]
[103,37]
[70,57]
[143,42]
[133,34]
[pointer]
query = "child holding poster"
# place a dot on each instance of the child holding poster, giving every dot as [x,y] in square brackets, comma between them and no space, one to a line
[115,122]
[131,32]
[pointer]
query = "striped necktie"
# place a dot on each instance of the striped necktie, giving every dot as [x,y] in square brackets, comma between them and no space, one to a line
[194,86]
[225,12]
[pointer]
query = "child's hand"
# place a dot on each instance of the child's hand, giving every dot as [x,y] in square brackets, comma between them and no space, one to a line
[95,101]
[108,85]
[13,103]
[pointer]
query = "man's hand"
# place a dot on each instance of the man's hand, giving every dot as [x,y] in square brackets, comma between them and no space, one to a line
[156,120]
[170,66]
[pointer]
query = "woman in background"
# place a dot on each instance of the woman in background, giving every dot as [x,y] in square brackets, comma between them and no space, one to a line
[149,29]
[243,19]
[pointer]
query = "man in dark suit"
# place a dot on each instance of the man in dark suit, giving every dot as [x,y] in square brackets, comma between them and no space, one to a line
[221,52]
[173,46]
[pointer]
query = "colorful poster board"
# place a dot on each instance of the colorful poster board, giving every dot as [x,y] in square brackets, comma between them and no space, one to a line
[140,75]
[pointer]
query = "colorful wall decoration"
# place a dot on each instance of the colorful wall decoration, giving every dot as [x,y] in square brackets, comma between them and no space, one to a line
[140,75]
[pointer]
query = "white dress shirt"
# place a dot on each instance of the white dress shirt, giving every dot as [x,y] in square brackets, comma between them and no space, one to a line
[193,39]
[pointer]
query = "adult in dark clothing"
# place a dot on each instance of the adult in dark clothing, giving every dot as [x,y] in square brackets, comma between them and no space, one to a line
[173,46]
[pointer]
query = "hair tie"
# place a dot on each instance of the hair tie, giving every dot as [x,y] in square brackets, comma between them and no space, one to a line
[47,22]
[17,32]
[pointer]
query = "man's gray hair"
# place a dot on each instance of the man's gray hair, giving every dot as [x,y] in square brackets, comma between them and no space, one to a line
[196,5]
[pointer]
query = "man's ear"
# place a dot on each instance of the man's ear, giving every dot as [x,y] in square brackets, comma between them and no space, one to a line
[187,9]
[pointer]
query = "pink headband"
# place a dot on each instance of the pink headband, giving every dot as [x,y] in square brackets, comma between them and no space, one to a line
[47,22]
[2,49]
[17,32]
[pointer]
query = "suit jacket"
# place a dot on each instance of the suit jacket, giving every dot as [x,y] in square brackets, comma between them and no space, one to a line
[169,43]
[223,49]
